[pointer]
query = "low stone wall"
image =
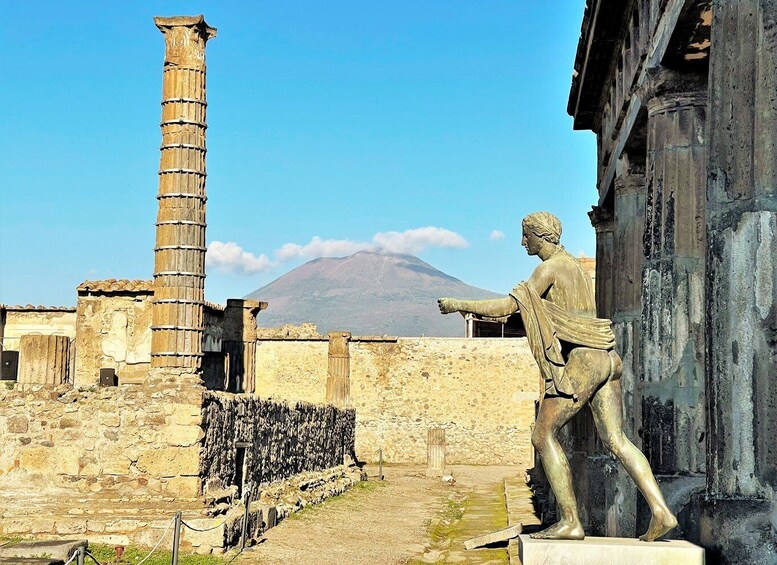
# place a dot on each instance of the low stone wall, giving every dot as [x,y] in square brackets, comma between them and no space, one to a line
[481,391]
[280,440]
[129,440]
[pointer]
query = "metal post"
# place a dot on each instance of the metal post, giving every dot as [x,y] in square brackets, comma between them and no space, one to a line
[244,533]
[380,463]
[176,537]
[81,555]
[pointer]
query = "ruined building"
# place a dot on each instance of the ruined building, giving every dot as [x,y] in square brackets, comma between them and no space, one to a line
[114,416]
[681,97]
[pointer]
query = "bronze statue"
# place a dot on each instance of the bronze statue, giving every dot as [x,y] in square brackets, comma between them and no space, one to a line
[574,351]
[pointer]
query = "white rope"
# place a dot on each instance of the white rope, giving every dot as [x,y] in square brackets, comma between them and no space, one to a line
[157,543]
[72,558]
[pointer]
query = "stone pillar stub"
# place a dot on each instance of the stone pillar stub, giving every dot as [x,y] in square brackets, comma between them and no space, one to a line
[435,451]
[44,359]
[179,254]
[338,381]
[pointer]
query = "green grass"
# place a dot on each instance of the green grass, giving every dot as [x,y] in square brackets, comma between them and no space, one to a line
[132,554]
[340,499]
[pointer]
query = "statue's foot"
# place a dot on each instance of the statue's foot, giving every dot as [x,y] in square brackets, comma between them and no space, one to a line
[561,530]
[661,522]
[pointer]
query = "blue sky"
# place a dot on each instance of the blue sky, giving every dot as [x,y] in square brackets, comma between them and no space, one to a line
[335,120]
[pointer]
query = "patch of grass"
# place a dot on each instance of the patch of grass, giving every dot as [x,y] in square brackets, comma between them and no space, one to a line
[342,498]
[10,384]
[132,554]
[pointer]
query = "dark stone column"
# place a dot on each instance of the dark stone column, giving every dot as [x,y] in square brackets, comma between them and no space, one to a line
[672,333]
[628,258]
[737,521]
[239,343]
[602,221]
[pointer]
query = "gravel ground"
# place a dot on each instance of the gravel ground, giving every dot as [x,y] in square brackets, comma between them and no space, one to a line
[376,522]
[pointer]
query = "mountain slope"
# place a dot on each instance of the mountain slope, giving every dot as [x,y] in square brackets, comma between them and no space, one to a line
[367,294]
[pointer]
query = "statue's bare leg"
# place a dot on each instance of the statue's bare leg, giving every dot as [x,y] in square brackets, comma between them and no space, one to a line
[608,415]
[555,411]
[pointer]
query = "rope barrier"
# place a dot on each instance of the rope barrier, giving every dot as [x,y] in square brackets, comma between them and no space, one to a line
[72,558]
[92,557]
[157,543]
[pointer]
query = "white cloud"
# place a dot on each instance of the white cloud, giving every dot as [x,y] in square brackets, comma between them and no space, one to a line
[497,234]
[229,257]
[418,239]
[408,241]
[318,247]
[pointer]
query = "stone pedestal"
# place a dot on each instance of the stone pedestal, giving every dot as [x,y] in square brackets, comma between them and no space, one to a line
[607,551]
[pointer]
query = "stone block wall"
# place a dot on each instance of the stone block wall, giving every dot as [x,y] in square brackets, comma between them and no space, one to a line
[481,391]
[128,441]
[113,331]
[280,440]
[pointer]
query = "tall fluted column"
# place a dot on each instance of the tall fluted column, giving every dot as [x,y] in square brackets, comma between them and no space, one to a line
[738,519]
[673,415]
[338,381]
[179,254]
[629,225]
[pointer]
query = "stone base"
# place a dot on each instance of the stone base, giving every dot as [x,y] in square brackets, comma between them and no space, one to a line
[735,530]
[606,551]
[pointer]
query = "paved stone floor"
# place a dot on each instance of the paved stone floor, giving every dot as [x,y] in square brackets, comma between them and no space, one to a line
[408,518]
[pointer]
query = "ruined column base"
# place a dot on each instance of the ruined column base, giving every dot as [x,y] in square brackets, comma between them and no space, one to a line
[734,530]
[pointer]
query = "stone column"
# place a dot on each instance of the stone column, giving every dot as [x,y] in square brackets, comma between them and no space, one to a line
[44,359]
[741,221]
[672,329]
[338,380]
[629,226]
[239,343]
[602,221]
[179,255]
[673,421]
[435,451]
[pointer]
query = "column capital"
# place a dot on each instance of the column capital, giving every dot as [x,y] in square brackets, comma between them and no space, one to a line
[185,38]
[666,88]
[602,219]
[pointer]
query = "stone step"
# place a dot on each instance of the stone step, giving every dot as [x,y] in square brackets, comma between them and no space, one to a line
[44,551]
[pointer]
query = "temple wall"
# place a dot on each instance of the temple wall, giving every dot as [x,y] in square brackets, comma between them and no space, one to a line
[482,392]
[284,439]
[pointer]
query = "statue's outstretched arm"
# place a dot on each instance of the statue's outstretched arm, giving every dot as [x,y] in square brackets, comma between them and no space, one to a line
[493,308]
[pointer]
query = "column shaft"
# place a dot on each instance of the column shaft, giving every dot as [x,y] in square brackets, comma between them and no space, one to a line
[338,381]
[672,333]
[179,254]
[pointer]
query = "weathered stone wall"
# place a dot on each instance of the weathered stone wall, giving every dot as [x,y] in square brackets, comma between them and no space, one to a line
[113,331]
[131,441]
[280,440]
[482,391]
[37,321]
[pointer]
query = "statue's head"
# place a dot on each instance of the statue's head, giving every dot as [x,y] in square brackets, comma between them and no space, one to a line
[538,228]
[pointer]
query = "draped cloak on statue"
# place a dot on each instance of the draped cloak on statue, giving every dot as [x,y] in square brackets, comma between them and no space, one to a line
[547,325]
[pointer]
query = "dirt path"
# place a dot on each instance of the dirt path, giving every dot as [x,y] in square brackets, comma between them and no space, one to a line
[409,517]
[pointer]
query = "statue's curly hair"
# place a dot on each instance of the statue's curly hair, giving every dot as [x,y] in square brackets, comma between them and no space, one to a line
[544,225]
